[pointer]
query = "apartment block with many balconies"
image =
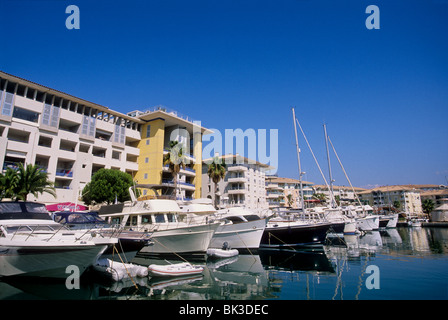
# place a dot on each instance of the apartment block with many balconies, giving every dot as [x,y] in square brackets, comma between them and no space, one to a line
[71,139]
[68,137]
[243,184]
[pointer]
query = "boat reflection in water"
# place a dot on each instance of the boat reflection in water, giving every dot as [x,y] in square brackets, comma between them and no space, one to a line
[337,272]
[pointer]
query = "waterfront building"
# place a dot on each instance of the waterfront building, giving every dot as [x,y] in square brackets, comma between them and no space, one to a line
[346,194]
[438,196]
[243,184]
[407,197]
[72,138]
[162,125]
[285,192]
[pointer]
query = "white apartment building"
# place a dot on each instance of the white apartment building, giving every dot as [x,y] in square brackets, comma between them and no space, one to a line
[285,192]
[243,184]
[346,194]
[69,137]
[407,196]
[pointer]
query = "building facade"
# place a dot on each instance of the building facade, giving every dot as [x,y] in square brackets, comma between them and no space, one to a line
[243,184]
[160,127]
[406,198]
[345,194]
[71,138]
[285,192]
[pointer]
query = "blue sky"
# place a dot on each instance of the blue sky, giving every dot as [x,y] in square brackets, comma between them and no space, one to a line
[244,64]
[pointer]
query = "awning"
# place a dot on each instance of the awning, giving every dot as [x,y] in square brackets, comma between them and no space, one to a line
[66,206]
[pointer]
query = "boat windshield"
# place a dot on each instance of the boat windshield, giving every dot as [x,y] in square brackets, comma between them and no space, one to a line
[78,218]
[23,210]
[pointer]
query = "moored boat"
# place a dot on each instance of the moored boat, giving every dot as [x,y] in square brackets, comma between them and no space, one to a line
[239,227]
[171,233]
[129,242]
[281,233]
[32,244]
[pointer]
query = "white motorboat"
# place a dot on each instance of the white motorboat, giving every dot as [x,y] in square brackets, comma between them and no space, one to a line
[416,222]
[171,232]
[239,227]
[341,224]
[389,220]
[129,242]
[32,244]
[174,270]
[364,217]
[368,223]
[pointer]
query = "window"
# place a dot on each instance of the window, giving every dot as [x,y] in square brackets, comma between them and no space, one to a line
[148,131]
[147,142]
[88,126]
[119,135]
[25,114]
[171,217]
[146,219]
[146,160]
[45,141]
[160,218]
[50,115]
[7,103]
[145,176]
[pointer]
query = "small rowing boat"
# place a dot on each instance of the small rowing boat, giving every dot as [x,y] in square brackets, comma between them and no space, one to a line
[174,270]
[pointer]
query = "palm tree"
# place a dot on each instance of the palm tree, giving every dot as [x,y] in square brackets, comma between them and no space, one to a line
[290,200]
[320,196]
[32,179]
[8,183]
[427,206]
[175,160]
[216,171]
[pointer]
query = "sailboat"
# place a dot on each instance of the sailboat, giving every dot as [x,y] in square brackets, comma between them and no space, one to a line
[288,230]
[362,214]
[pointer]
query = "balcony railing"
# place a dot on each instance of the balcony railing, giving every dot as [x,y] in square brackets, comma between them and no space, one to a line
[64,173]
[168,181]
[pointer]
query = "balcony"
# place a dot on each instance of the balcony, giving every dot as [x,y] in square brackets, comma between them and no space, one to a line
[181,184]
[64,173]
[186,171]
[236,168]
[241,190]
[237,179]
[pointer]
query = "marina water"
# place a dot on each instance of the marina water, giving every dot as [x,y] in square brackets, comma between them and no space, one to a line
[401,263]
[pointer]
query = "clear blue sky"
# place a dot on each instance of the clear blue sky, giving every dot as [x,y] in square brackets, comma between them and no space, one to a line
[244,64]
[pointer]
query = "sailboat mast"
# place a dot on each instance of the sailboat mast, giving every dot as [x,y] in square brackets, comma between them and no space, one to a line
[298,161]
[333,204]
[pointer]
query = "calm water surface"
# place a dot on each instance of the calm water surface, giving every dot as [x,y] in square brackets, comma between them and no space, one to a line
[411,263]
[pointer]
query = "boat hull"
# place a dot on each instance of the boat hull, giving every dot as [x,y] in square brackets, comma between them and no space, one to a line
[47,261]
[185,240]
[294,235]
[241,236]
[368,223]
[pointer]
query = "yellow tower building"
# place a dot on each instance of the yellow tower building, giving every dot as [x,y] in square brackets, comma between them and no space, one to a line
[160,127]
